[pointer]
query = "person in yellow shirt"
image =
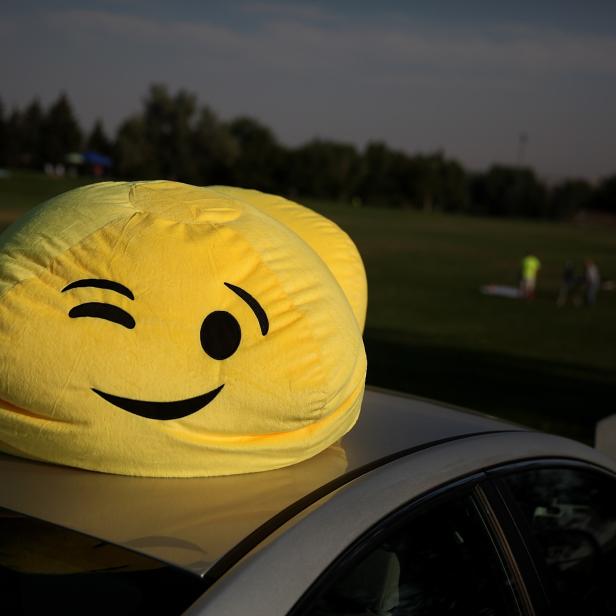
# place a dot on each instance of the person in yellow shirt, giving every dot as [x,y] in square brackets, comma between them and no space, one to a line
[530,267]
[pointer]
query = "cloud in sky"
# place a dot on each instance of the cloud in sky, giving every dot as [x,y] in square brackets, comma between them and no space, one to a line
[501,47]
[307,70]
[293,11]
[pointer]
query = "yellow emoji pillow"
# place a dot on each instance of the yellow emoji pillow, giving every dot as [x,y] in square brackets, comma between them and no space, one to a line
[162,329]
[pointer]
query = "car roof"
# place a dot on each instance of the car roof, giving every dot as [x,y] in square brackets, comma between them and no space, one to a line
[194,523]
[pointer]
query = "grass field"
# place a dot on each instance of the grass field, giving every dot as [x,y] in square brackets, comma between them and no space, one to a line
[24,189]
[431,333]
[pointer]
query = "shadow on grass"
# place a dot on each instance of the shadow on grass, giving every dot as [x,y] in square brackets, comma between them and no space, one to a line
[560,398]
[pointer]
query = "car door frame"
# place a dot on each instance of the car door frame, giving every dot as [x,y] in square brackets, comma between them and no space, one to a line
[476,488]
[518,527]
[271,579]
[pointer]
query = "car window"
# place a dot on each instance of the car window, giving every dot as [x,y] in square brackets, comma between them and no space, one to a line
[441,561]
[46,569]
[572,517]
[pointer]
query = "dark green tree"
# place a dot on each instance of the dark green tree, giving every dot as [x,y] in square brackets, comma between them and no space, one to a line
[261,159]
[134,157]
[570,197]
[98,141]
[604,198]
[421,182]
[509,191]
[30,139]
[173,139]
[454,191]
[214,149]
[382,176]
[3,137]
[168,124]
[61,133]
[13,138]
[324,169]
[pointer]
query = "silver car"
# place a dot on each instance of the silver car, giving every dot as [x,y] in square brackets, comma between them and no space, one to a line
[422,509]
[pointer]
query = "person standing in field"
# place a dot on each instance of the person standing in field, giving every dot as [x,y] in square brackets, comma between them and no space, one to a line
[530,267]
[568,284]
[592,280]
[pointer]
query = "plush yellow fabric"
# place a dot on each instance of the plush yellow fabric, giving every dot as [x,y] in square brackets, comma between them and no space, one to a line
[162,329]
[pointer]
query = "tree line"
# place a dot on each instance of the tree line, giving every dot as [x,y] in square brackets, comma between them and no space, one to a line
[174,137]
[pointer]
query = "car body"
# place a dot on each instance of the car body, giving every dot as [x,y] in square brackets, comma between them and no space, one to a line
[340,533]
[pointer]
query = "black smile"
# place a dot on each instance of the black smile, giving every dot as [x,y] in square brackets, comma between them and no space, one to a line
[175,409]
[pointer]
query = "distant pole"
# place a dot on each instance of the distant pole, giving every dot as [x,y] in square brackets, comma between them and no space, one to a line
[522,142]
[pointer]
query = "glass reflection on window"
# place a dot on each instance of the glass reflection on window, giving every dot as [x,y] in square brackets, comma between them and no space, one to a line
[572,515]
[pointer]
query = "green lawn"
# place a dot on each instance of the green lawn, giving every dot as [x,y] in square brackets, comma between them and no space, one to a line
[23,189]
[430,332]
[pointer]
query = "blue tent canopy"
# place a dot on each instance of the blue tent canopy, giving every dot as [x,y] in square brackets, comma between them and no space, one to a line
[94,158]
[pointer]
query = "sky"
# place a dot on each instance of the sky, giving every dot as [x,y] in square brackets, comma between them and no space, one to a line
[464,77]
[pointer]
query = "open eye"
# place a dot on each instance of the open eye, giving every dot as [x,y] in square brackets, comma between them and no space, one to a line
[220,334]
[99,310]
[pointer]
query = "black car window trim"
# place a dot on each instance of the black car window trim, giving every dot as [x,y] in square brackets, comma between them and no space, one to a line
[520,562]
[524,533]
[519,524]
[468,486]
[518,521]
[551,462]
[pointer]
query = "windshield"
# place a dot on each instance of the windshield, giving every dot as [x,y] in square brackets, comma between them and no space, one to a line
[45,568]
